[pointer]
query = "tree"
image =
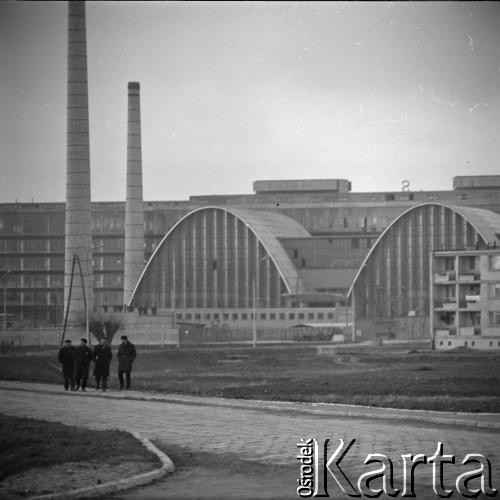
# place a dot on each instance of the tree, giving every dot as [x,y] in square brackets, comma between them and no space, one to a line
[105,324]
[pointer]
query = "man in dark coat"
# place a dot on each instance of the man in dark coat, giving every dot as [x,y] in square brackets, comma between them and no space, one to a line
[83,357]
[66,358]
[126,356]
[102,358]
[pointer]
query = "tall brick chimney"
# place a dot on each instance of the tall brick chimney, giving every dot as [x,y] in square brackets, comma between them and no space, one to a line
[78,230]
[134,209]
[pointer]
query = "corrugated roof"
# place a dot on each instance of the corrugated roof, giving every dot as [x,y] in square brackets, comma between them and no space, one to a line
[268,227]
[485,222]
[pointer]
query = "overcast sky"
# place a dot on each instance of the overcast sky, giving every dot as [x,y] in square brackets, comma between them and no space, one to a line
[234,92]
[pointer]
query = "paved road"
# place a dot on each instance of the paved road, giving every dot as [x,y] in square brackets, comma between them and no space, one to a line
[251,433]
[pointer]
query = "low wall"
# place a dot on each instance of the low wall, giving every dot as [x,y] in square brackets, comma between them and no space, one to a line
[149,330]
[140,329]
[41,336]
[200,334]
[400,328]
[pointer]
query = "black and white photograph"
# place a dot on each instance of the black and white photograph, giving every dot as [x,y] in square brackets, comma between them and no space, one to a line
[249,249]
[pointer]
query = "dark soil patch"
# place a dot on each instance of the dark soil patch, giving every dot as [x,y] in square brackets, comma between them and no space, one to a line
[27,443]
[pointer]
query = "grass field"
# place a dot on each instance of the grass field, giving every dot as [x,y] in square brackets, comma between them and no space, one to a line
[380,376]
[25,443]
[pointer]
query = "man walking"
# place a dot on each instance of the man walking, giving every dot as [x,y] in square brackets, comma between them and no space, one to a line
[83,357]
[102,358]
[126,356]
[66,358]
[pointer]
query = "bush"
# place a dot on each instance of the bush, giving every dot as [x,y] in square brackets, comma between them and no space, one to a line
[105,324]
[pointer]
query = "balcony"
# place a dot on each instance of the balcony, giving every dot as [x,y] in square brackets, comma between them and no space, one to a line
[449,304]
[444,277]
[467,331]
[472,297]
[470,331]
[469,277]
[471,302]
[442,331]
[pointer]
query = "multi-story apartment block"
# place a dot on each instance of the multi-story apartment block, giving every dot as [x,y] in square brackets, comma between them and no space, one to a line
[465,299]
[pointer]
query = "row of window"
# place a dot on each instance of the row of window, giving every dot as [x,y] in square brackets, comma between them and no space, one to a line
[449,318]
[473,343]
[263,316]
[469,263]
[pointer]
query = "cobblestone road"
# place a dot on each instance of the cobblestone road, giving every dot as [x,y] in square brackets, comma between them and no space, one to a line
[252,434]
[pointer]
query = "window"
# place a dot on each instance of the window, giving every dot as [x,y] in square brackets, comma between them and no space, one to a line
[449,342]
[495,290]
[495,262]
[282,315]
[354,243]
[321,316]
[235,316]
[272,316]
[494,318]
[244,316]
[310,315]
[188,315]
[263,316]
[291,316]
[441,342]
[301,316]
[57,245]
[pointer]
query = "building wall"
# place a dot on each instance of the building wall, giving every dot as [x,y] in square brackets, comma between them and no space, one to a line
[465,307]
[32,235]
[394,280]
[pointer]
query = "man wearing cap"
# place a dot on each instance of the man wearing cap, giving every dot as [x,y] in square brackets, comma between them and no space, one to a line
[83,357]
[102,358]
[126,356]
[66,358]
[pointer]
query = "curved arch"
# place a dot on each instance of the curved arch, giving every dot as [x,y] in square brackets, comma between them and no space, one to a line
[266,228]
[394,278]
[483,221]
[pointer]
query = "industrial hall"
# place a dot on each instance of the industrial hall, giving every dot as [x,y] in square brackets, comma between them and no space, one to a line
[310,254]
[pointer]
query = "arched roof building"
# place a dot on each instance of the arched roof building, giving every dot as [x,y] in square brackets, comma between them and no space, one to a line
[219,258]
[393,279]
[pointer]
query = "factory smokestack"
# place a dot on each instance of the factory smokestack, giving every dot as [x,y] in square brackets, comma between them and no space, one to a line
[78,231]
[134,209]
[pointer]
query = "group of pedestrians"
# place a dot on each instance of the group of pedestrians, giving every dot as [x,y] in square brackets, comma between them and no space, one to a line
[76,361]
